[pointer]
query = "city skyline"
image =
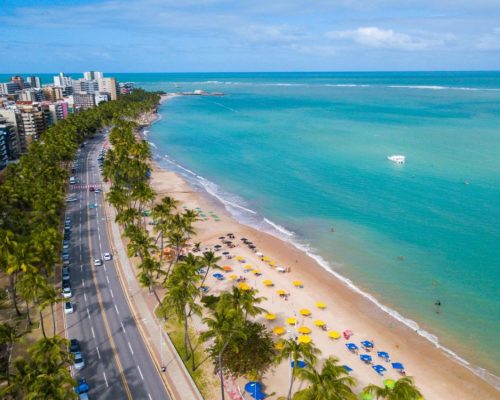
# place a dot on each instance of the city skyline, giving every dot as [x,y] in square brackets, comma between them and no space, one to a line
[218,36]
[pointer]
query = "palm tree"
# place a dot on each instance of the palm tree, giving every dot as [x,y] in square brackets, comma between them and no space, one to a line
[209,261]
[8,244]
[332,383]
[244,300]
[148,267]
[140,244]
[403,389]
[9,335]
[48,297]
[162,213]
[293,351]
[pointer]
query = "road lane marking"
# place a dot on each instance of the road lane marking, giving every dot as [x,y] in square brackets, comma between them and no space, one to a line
[85,297]
[93,333]
[81,268]
[111,292]
[105,379]
[105,268]
[150,398]
[116,308]
[130,347]
[123,327]
[140,372]
[107,279]
[83,282]
[98,353]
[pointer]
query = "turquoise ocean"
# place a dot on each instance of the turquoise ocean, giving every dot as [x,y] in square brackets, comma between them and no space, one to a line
[297,154]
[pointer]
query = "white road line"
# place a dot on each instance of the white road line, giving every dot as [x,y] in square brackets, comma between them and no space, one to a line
[81,268]
[107,279]
[83,282]
[111,292]
[140,372]
[80,256]
[85,297]
[116,308]
[130,347]
[105,268]
[150,398]
[93,333]
[105,379]
[98,353]
[88,312]
[121,323]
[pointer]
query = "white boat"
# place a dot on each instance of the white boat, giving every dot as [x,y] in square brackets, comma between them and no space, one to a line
[397,158]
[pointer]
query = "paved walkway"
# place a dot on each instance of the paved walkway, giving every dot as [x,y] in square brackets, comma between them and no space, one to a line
[177,379]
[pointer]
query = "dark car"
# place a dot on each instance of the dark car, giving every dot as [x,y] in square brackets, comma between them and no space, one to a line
[74,346]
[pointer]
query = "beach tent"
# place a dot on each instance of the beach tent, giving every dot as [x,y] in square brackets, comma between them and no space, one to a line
[305,312]
[304,330]
[304,339]
[248,267]
[365,358]
[268,282]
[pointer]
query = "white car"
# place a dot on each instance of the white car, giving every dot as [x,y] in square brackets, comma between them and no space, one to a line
[97,262]
[107,257]
[66,246]
[66,292]
[79,361]
[68,307]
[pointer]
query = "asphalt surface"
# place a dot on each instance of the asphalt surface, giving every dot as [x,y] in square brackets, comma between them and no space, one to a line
[118,365]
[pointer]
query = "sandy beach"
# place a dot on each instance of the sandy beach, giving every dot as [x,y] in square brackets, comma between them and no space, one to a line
[436,374]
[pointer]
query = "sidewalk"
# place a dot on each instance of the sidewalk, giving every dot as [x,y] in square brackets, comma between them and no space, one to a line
[176,377]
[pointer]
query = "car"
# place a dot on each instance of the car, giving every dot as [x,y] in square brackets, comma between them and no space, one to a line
[92,206]
[79,361]
[66,292]
[66,246]
[67,220]
[68,307]
[82,387]
[74,346]
[66,263]
[107,256]
[97,190]
[66,242]
[97,262]
[91,189]
[71,200]
[65,257]
[65,274]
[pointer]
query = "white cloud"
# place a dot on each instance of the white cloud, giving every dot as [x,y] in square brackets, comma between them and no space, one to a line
[371,36]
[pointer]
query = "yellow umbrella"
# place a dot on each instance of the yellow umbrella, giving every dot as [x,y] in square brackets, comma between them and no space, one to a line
[334,334]
[305,339]
[305,312]
[281,292]
[268,282]
[248,267]
[227,268]
[279,345]
[257,272]
[245,286]
[291,321]
[270,317]
[320,304]
[233,277]
[304,329]
[319,322]
[272,263]
[279,330]
[240,258]
[297,283]
[266,258]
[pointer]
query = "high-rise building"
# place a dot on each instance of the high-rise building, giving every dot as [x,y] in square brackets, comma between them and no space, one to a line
[109,85]
[19,81]
[85,86]
[8,88]
[58,111]
[33,121]
[13,118]
[62,80]
[53,93]
[31,95]
[34,81]
[93,75]
[9,144]
[99,97]
[83,101]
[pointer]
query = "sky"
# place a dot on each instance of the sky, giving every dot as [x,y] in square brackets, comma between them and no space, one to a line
[248,35]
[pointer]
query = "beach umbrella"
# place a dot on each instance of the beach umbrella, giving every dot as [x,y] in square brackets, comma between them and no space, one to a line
[304,339]
[266,258]
[281,292]
[257,272]
[227,268]
[226,253]
[244,286]
[365,358]
[365,396]
[320,305]
[351,346]
[244,239]
[347,368]
[291,321]
[367,343]
[255,390]
[279,330]
[240,258]
[218,276]
[217,246]
[297,283]
[389,383]
[272,263]
[279,345]
[233,277]
[305,312]
[334,334]
[251,246]
[383,354]
[398,366]
[347,334]
[379,369]
[268,282]
[319,322]
[248,267]
[270,317]
[304,330]
[300,364]
[259,254]
[222,237]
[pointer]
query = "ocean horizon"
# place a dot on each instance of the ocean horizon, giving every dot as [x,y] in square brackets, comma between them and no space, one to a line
[304,156]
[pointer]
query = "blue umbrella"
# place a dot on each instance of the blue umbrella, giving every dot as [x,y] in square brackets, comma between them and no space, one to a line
[398,365]
[255,390]
[379,369]
[347,368]
[365,358]
[383,354]
[367,343]
[217,275]
[300,364]
[351,346]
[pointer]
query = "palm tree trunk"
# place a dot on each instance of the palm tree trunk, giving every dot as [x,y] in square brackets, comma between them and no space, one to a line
[28,313]
[53,319]
[14,294]
[156,294]
[291,382]
[221,374]
[42,325]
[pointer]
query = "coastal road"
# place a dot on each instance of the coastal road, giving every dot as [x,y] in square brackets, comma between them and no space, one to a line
[118,365]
